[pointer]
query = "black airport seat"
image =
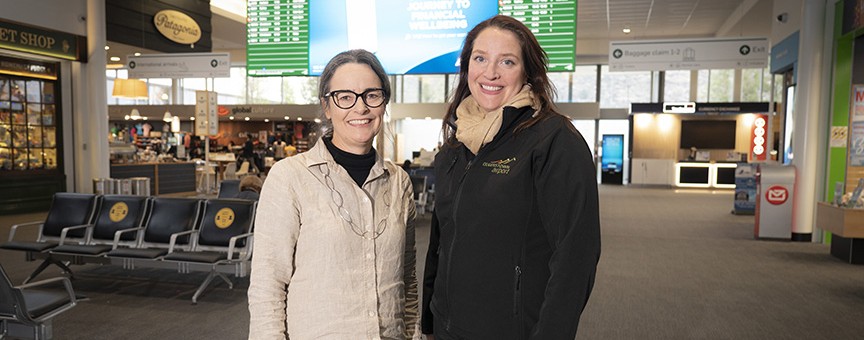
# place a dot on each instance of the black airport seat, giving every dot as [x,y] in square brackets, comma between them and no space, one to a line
[168,216]
[26,311]
[223,241]
[116,213]
[67,209]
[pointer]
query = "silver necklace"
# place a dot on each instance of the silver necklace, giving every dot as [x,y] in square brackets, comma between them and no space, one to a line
[338,201]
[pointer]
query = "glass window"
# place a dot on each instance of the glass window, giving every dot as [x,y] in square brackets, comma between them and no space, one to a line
[619,89]
[410,89]
[264,90]
[432,88]
[702,78]
[721,86]
[766,85]
[584,84]
[778,88]
[231,90]
[453,80]
[751,85]
[416,134]
[300,90]
[27,124]
[561,83]
[159,90]
[189,86]
[676,86]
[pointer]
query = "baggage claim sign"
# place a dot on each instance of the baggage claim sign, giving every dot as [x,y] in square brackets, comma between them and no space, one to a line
[688,54]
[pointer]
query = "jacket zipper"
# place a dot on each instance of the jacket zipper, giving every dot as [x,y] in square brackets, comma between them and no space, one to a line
[517,292]
[453,240]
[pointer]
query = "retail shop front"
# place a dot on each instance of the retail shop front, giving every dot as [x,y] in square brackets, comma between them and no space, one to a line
[31,123]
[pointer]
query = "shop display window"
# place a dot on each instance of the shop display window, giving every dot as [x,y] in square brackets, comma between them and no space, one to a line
[28,132]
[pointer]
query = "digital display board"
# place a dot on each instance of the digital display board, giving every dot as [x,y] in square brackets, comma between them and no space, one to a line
[277,35]
[291,37]
[553,22]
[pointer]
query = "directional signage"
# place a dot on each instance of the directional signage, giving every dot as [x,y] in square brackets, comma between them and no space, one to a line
[180,65]
[206,118]
[688,54]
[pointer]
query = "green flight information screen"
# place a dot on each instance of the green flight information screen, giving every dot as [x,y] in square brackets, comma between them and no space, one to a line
[277,38]
[553,22]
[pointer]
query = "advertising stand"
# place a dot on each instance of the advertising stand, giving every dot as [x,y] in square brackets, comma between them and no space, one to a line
[775,192]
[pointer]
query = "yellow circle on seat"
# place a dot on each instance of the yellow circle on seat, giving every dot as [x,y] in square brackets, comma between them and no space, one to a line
[118,212]
[224,218]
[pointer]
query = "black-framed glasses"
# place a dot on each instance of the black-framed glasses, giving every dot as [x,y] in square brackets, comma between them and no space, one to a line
[346,99]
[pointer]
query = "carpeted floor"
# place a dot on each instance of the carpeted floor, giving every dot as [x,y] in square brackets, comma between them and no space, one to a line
[675,265]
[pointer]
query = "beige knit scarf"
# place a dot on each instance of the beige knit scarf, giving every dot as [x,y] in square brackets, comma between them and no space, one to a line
[475,127]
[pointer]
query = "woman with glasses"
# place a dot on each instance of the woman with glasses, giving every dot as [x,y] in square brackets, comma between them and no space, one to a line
[334,234]
[516,230]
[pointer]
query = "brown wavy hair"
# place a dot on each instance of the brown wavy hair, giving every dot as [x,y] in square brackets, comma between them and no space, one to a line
[535,63]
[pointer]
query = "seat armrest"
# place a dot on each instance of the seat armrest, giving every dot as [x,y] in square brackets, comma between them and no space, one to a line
[67,285]
[120,232]
[174,238]
[233,241]
[27,224]
[89,228]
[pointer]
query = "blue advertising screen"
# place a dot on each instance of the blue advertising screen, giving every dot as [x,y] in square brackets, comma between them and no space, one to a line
[409,37]
[613,153]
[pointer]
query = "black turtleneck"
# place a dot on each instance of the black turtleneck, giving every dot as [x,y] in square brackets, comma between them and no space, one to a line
[358,166]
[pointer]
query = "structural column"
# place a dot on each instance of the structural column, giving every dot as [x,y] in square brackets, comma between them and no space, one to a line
[808,107]
[90,112]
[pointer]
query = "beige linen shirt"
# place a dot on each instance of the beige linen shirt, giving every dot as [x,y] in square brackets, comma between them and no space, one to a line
[313,277]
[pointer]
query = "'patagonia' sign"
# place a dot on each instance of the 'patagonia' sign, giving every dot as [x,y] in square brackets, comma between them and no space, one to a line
[177,26]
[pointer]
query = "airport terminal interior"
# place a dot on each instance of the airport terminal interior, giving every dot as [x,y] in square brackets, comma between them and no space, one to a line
[727,137]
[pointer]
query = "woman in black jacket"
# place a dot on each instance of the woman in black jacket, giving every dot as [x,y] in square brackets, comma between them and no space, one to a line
[516,232]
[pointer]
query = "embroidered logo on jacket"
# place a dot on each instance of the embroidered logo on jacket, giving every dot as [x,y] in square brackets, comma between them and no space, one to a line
[500,167]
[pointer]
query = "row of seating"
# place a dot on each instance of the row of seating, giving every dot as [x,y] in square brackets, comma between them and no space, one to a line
[213,235]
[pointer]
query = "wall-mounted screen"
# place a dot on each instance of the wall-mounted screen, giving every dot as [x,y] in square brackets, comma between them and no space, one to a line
[409,37]
[708,134]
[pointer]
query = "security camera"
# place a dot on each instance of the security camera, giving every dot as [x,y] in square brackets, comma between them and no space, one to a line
[783,17]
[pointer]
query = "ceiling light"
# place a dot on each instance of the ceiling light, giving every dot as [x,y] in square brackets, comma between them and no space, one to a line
[107,47]
[231,118]
[299,118]
[626,29]
[192,118]
[287,118]
[317,120]
[246,119]
[135,114]
[428,118]
[266,120]
[167,117]
[137,54]
[114,58]
[130,88]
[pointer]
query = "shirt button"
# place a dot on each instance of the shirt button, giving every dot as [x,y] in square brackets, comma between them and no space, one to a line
[371,313]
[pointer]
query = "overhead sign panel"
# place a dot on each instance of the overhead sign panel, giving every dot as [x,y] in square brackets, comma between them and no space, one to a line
[688,54]
[180,65]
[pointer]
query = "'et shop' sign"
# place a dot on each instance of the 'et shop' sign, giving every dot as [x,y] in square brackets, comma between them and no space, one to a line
[38,41]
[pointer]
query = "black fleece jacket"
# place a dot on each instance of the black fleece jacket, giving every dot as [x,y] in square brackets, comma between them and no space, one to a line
[516,235]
